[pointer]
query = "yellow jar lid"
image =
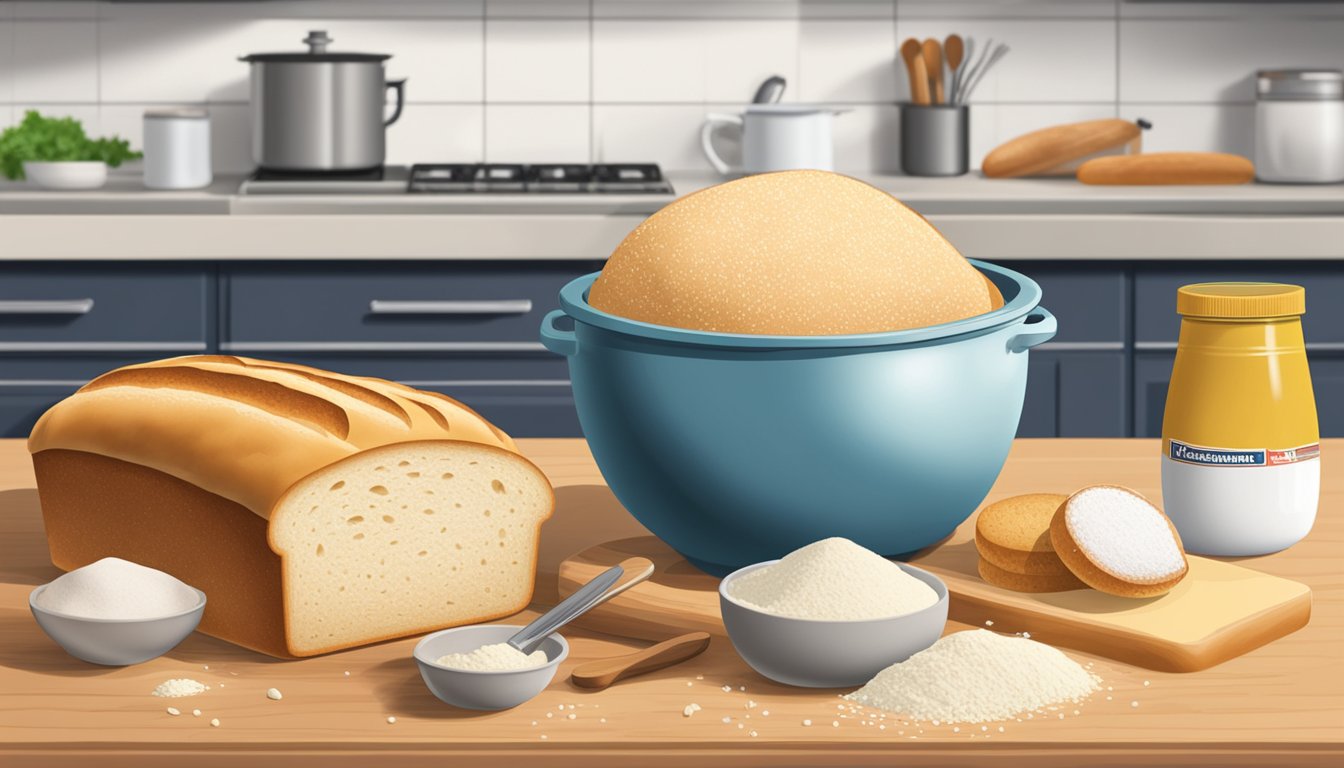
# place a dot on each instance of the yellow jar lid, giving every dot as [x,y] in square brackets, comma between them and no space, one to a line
[1241,300]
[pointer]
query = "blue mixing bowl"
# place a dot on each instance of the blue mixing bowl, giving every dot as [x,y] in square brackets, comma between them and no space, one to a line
[739,448]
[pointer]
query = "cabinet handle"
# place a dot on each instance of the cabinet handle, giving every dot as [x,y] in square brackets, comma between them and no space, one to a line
[46,306]
[451,307]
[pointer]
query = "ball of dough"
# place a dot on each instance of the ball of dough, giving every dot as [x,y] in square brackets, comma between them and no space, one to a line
[794,253]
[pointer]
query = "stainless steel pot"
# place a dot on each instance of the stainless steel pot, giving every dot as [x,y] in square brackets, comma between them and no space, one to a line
[320,111]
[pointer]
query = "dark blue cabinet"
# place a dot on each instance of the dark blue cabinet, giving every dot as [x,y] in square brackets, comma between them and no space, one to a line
[1076,394]
[469,329]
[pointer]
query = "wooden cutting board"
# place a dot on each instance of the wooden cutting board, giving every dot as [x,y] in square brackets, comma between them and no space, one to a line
[1218,612]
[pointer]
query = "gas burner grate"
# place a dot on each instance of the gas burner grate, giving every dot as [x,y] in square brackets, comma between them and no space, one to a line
[553,178]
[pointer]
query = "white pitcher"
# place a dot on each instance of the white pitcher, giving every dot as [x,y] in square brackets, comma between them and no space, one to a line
[775,137]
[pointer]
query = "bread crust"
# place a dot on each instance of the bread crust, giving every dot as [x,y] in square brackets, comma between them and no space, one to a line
[1014,534]
[1082,565]
[120,509]
[1021,582]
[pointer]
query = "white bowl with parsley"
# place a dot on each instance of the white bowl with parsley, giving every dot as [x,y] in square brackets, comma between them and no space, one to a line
[54,153]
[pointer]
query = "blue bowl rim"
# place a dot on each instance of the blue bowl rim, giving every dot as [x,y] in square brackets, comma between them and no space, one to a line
[574,302]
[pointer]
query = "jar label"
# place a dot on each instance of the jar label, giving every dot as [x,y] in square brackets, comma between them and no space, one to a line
[1241,457]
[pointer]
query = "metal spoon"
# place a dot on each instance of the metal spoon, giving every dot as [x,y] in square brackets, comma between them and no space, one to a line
[993,58]
[600,589]
[770,91]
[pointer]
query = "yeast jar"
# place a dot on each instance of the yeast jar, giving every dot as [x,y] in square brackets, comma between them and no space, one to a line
[1241,468]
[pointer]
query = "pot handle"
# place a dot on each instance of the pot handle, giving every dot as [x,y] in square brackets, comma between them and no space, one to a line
[1038,327]
[400,86]
[559,341]
[712,121]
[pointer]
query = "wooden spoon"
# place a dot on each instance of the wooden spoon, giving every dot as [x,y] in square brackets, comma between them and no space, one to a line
[933,61]
[913,53]
[603,672]
[955,51]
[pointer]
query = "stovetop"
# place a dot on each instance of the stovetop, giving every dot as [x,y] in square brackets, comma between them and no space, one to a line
[470,178]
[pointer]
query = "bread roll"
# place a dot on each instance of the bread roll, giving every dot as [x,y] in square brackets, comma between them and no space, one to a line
[1014,534]
[796,253]
[316,511]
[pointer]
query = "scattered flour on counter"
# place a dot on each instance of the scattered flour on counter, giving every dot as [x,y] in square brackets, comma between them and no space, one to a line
[179,687]
[113,588]
[977,676]
[498,657]
[832,580]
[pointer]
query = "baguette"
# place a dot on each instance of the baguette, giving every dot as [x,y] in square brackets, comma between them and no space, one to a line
[317,511]
[1167,168]
[1056,151]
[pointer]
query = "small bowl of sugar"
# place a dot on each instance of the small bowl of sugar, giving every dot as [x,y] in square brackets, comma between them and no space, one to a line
[115,612]
[475,668]
[831,614]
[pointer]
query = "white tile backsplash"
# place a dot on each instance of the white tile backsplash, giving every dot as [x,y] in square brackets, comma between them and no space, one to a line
[677,61]
[437,133]
[1196,127]
[54,62]
[1049,60]
[530,133]
[1214,60]
[631,80]
[665,134]
[847,61]
[536,61]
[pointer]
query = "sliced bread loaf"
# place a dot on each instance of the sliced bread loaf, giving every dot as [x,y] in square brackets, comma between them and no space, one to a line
[1117,542]
[244,477]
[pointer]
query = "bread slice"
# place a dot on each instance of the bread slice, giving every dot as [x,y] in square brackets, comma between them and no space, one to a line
[1117,542]
[1014,535]
[1021,582]
[406,538]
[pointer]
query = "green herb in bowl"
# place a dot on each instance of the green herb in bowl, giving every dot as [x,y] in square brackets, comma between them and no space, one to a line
[56,139]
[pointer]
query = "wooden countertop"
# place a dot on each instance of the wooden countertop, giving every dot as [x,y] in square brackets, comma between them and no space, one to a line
[1279,705]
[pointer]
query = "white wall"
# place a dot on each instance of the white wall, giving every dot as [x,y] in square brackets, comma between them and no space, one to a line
[630,80]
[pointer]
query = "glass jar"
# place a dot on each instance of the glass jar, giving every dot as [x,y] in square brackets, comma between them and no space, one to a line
[1241,468]
[1299,126]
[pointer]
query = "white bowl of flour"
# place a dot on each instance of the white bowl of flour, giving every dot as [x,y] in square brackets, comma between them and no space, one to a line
[831,614]
[115,612]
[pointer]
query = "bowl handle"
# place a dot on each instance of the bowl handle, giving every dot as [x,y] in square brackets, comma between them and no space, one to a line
[563,342]
[1039,327]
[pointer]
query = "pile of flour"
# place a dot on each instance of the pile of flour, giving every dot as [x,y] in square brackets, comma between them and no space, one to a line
[977,676]
[113,588]
[499,657]
[832,580]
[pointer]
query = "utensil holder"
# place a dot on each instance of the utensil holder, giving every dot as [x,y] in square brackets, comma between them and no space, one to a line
[935,139]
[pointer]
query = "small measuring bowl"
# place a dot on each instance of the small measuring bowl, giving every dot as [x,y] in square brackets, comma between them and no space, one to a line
[478,689]
[116,642]
[829,654]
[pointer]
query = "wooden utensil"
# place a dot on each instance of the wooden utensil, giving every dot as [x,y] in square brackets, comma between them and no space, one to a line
[913,54]
[954,51]
[603,672]
[678,597]
[1219,611]
[933,61]
[1168,168]
[1059,149]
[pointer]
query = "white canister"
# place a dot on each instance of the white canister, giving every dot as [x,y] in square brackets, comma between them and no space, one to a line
[177,148]
[775,137]
[1299,126]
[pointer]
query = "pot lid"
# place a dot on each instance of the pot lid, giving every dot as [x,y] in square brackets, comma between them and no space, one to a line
[317,42]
